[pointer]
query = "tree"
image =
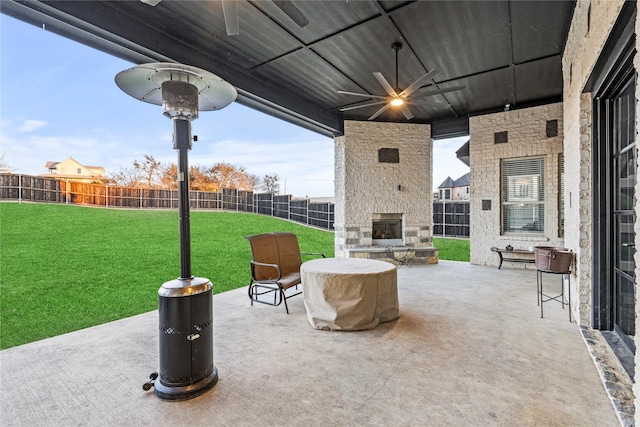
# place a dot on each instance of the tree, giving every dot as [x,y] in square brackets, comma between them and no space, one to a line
[149,169]
[128,176]
[270,183]
[249,182]
[4,166]
[200,179]
[203,178]
[169,176]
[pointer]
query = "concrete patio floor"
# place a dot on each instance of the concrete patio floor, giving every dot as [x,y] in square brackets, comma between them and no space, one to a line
[469,349]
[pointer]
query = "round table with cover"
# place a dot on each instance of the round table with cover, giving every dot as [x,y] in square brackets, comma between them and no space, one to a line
[349,294]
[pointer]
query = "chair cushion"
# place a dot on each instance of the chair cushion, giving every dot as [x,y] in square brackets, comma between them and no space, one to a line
[289,280]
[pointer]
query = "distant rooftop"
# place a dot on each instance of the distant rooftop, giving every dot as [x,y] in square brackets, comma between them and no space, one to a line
[463,181]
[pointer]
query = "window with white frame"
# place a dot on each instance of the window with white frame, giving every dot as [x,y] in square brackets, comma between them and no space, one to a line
[523,195]
[561,196]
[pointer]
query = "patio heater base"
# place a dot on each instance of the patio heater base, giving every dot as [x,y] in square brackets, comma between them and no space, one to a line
[186,392]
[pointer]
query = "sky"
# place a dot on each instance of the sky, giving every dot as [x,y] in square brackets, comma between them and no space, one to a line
[58,99]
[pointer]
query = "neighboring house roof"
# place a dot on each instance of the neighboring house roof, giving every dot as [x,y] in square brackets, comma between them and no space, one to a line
[463,181]
[448,183]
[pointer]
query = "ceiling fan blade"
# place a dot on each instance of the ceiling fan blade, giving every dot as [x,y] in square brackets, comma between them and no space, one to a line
[380,111]
[353,107]
[151,2]
[292,12]
[362,94]
[439,91]
[415,85]
[230,12]
[407,113]
[385,84]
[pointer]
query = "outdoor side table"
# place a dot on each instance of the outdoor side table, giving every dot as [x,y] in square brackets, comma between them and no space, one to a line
[349,294]
[542,297]
[552,260]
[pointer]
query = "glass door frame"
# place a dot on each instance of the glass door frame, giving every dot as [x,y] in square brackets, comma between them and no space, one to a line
[611,81]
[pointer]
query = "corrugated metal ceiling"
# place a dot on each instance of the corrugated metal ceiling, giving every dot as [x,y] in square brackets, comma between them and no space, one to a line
[503,52]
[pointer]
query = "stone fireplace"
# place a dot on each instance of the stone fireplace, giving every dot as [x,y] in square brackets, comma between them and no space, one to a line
[383,199]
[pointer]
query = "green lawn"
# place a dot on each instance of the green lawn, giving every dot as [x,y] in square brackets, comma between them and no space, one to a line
[64,268]
[452,249]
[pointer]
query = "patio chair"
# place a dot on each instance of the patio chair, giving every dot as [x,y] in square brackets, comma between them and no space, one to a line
[275,267]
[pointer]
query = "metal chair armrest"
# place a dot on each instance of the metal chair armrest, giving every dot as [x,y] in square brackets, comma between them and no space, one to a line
[262,264]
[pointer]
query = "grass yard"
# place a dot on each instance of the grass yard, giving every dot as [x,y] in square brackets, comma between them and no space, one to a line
[453,249]
[64,268]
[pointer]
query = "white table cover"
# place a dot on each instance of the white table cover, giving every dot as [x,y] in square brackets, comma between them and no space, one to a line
[349,294]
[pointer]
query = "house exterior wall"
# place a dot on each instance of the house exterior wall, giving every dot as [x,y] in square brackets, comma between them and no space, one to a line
[590,28]
[592,22]
[460,193]
[72,169]
[364,186]
[526,137]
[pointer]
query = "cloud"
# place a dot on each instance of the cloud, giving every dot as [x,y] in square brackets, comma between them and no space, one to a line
[31,125]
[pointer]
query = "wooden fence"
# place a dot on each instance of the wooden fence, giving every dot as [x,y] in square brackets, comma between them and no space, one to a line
[450,218]
[47,190]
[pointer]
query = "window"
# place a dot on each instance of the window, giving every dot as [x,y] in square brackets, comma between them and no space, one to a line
[523,195]
[79,171]
[447,194]
[561,196]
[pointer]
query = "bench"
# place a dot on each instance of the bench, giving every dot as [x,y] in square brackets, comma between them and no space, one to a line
[524,255]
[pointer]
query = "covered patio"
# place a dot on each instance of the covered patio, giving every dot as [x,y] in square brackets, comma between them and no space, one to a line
[469,348]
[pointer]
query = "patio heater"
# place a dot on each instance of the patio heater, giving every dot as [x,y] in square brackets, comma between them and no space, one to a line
[185,305]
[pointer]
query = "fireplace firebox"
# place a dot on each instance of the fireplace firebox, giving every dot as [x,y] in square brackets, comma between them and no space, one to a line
[386,229]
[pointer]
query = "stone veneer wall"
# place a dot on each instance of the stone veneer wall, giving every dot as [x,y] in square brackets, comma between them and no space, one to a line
[590,27]
[527,136]
[364,186]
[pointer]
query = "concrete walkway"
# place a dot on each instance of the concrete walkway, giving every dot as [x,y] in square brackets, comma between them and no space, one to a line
[469,349]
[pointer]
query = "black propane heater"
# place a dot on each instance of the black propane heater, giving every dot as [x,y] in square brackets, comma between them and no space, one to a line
[185,305]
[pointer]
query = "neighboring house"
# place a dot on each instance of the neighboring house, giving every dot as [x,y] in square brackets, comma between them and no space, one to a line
[73,170]
[454,190]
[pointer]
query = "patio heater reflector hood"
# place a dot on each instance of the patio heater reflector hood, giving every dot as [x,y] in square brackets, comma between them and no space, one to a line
[185,304]
[145,82]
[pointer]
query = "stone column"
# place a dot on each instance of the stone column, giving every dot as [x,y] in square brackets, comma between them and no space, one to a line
[382,168]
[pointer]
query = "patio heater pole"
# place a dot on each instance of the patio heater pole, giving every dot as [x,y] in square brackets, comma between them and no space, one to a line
[182,142]
[185,304]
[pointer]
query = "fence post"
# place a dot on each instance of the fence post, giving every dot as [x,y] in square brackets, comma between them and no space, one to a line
[444,218]
[20,188]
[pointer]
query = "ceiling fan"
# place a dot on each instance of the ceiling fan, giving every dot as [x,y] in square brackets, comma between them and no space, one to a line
[230,12]
[397,98]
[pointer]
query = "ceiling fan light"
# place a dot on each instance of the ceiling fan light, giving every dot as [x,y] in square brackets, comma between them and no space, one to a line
[397,102]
